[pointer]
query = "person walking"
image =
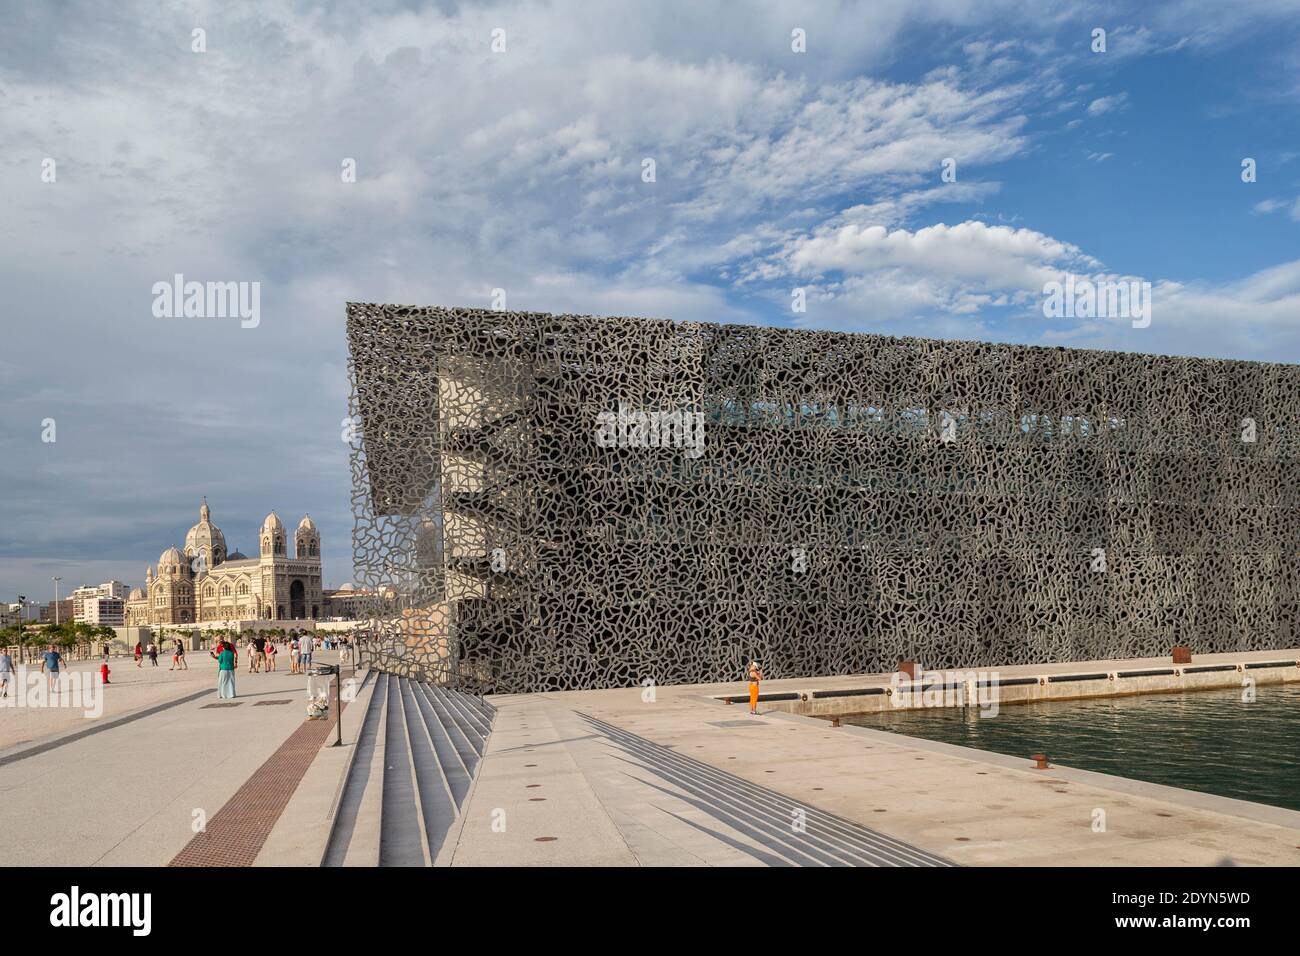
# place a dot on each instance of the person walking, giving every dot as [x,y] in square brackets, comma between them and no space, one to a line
[227,661]
[294,656]
[50,664]
[305,645]
[153,654]
[755,676]
[139,653]
[178,656]
[270,656]
[6,671]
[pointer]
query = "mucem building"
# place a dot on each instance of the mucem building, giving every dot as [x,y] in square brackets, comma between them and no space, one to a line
[559,501]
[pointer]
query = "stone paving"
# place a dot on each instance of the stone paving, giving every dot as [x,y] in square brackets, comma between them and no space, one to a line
[602,778]
[572,798]
[130,690]
[236,835]
[135,793]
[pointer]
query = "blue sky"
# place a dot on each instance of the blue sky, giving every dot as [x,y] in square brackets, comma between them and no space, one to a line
[521,170]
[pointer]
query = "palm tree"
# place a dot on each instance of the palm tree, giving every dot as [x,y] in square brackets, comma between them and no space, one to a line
[79,638]
[66,636]
[106,635]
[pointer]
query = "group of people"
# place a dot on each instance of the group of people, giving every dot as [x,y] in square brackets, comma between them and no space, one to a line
[261,653]
[51,666]
[151,651]
[261,657]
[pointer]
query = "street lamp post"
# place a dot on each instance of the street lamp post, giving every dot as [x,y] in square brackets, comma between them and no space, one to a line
[56,600]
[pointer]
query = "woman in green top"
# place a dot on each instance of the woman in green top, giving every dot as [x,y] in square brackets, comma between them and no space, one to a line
[225,655]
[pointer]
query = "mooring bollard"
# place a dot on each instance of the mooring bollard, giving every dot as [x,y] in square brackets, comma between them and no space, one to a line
[835,721]
[1040,762]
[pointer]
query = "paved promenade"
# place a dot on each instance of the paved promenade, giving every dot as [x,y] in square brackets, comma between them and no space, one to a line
[131,690]
[131,794]
[582,779]
[594,778]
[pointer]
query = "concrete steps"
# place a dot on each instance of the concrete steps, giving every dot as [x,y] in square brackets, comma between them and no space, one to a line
[792,832]
[417,751]
[354,835]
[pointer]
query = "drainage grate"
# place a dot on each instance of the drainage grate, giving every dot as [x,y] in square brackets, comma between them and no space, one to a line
[268,703]
[735,723]
[224,703]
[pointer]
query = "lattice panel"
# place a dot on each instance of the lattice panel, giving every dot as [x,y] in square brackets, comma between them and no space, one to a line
[534,509]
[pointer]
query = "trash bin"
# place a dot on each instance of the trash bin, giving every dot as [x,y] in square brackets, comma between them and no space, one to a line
[314,692]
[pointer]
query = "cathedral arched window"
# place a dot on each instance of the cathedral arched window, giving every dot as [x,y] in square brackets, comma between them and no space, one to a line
[225,590]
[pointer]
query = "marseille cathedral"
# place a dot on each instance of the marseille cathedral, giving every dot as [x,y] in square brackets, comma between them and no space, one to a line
[205,582]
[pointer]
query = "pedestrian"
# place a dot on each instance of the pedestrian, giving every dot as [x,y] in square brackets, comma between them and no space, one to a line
[153,654]
[755,675]
[259,652]
[295,656]
[227,660]
[50,664]
[178,656]
[139,653]
[305,649]
[270,655]
[6,671]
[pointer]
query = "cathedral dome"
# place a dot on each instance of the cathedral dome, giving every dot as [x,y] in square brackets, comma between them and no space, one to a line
[206,539]
[236,555]
[137,594]
[171,561]
[272,523]
[306,523]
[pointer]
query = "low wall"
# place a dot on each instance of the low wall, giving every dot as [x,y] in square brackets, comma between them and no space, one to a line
[1019,685]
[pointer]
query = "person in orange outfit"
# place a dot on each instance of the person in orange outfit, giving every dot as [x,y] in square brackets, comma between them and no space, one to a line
[755,675]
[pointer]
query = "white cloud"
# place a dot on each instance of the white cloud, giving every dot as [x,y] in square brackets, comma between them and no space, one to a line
[1107,104]
[1266,206]
[476,170]
[970,253]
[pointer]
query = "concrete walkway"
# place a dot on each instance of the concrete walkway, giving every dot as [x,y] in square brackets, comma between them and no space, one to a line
[574,785]
[133,794]
[559,786]
[131,690]
[612,778]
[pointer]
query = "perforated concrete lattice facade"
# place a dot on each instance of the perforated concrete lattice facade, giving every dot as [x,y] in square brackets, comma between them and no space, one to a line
[562,502]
